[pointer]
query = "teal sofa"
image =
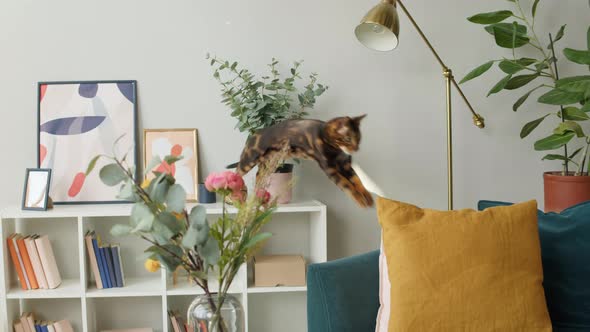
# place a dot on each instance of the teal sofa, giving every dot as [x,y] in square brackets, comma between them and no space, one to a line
[343,295]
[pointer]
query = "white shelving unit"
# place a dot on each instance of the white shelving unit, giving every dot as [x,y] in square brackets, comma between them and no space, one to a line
[298,228]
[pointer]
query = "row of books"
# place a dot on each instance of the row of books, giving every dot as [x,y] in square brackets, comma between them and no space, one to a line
[34,262]
[105,262]
[27,323]
[178,324]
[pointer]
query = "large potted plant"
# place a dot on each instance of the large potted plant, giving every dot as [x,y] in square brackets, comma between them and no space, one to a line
[258,103]
[514,29]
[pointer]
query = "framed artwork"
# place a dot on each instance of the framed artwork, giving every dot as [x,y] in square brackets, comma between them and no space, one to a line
[36,190]
[174,142]
[78,121]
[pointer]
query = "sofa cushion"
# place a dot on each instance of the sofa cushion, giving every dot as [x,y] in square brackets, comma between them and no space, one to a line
[464,270]
[565,249]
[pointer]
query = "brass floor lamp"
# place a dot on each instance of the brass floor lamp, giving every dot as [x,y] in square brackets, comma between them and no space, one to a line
[379,30]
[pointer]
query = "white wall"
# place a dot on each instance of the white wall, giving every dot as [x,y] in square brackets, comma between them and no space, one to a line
[162,44]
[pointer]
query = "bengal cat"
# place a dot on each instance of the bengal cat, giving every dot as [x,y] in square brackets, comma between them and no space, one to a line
[328,143]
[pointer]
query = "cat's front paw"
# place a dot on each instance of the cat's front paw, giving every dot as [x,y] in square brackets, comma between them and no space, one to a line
[364,199]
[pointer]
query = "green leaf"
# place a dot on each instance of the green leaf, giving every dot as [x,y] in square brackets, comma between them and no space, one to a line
[198,231]
[257,239]
[473,74]
[569,126]
[172,159]
[141,215]
[575,114]
[575,153]
[155,161]
[553,142]
[560,33]
[559,96]
[574,83]
[586,107]
[170,221]
[555,157]
[508,35]
[210,251]
[520,81]
[91,165]
[577,56]
[522,99]
[535,4]
[490,18]
[121,230]
[510,67]
[514,66]
[176,198]
[500,85]
[112,175]
[127,191]
[159,187]
[529,127]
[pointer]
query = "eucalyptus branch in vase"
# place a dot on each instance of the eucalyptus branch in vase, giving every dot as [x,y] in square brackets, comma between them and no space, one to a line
[181,238]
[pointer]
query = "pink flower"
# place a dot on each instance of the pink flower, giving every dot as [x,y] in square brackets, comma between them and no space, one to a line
[234,181]
[215,182]
[263,196]
[228,181]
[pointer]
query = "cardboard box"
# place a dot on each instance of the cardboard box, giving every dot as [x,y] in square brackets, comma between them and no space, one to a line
[279,270]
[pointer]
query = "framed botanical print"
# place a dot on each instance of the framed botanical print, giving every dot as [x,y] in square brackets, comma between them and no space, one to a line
[179,143]
[78,121]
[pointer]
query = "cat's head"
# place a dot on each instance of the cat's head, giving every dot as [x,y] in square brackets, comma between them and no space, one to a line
[345,132]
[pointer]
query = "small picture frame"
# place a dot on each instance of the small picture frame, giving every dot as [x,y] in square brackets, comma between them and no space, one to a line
[177,142]
[36,190]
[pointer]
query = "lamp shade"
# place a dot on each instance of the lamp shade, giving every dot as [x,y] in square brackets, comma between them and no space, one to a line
[379,29]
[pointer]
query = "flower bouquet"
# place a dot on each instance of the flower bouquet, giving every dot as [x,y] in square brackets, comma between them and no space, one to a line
[179,237]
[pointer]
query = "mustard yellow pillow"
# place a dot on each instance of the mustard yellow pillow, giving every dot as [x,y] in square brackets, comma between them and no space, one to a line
[464,270]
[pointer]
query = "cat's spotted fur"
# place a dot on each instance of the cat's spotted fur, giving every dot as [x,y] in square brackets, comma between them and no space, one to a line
[328,143]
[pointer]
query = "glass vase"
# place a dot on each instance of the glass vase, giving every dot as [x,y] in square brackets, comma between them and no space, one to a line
[202,318]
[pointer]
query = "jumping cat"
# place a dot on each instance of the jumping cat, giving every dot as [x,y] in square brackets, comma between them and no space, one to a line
[328,143]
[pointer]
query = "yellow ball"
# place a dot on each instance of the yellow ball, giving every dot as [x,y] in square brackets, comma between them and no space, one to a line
[152,265]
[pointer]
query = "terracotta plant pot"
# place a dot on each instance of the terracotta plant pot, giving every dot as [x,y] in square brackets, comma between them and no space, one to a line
[562,191]
[280,184]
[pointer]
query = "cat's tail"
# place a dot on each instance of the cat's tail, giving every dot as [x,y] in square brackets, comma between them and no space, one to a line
[234,165]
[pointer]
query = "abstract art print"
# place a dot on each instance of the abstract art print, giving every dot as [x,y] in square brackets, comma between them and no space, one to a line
[78,121]
[176,143]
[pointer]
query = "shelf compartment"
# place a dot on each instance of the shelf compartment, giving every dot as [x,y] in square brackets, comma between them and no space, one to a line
[134,287]
[69,288]
[280,289]
[124,313]
[48,309]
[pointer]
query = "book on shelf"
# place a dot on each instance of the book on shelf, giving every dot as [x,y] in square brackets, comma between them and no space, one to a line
[178,324]
[18,326]
[22,248]
[17,261]
[48,261]
[105,262]
[119,277]
[27,323]
[88,238]
[36,261]
[130,330]
[110,267]
[63,326]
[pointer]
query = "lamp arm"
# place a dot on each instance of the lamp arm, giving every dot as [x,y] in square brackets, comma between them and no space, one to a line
[477,119]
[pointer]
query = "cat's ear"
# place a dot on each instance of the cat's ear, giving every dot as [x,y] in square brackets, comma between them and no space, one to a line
[358,119]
